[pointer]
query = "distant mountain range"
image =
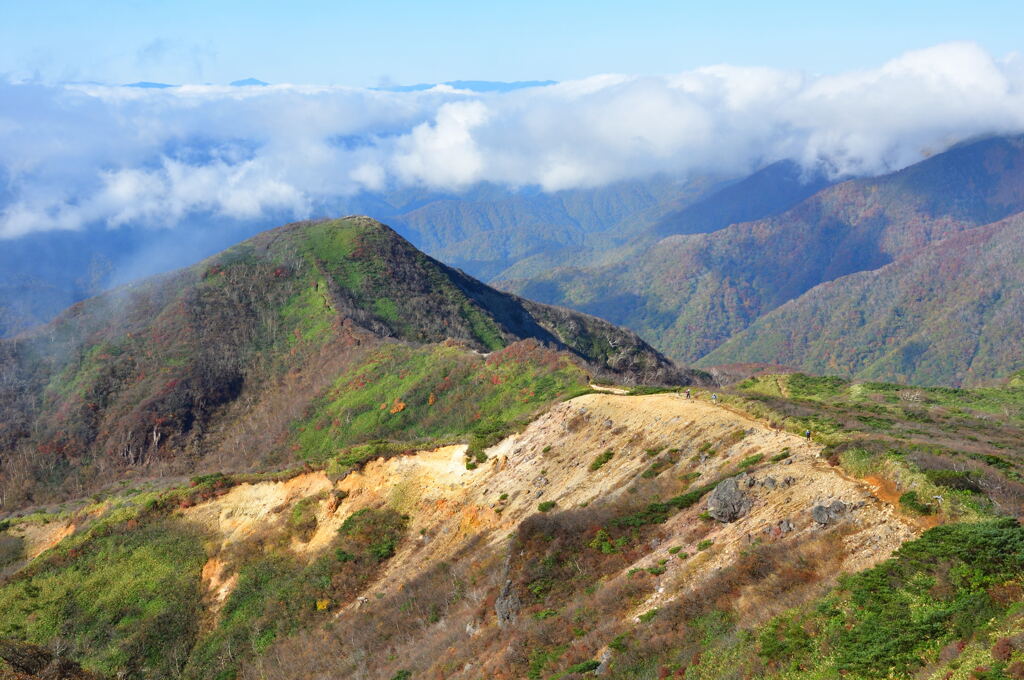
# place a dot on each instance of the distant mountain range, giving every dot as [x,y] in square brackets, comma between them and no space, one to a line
[690,293]
[472,85]
[709,269]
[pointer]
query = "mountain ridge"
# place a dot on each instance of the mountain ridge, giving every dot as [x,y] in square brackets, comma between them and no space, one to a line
[169,370]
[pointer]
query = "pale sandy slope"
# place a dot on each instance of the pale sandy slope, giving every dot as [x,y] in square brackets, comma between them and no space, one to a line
[450,506]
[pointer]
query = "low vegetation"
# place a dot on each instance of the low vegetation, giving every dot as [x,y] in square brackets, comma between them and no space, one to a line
[603,458]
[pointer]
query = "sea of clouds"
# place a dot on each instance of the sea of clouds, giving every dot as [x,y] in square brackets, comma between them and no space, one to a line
[73,156]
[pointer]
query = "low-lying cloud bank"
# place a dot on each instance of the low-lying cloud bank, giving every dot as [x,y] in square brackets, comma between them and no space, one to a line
[79,155]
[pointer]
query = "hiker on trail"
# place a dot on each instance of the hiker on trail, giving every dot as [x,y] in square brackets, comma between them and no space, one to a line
[714,398]
[687,394]
[807,433]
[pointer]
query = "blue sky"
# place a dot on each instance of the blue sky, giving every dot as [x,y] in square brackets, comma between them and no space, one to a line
[404,42]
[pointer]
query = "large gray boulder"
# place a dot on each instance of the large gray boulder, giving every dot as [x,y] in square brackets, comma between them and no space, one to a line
[727,503]
[828,514]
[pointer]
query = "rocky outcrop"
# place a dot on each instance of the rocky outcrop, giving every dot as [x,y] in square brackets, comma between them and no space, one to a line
[604,662]
[727,503]
[828,514]
[506,607]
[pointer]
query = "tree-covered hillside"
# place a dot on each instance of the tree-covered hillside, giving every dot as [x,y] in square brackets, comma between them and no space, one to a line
[689,294]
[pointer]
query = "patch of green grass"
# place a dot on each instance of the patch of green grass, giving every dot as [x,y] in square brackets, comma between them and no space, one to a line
[305,317]
[431,393]
[647,616]
[705,544]
[302,518]
[750,461]
[802,386]
[640,390]
[125,597]
[539,659]
[545,506]
[277,593]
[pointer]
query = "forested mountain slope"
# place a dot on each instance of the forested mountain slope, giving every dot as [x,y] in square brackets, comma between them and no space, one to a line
[212,365]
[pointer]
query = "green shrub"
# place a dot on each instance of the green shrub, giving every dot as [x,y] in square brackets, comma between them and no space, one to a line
[604,543]
[375,533]
[647,616]
[888,620]
[782,455]
[540,658]
[302,519]
[911,502]
[658,513]
[544,506]
[12,549]
[601,460]
[545,614]
[734,437]
[583,667]
[656,469]
[705,544]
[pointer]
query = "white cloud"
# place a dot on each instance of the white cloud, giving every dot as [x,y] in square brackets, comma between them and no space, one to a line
[72,156]
[443,153]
